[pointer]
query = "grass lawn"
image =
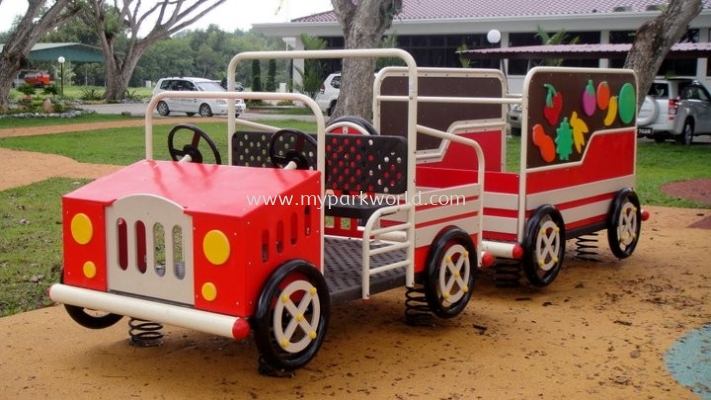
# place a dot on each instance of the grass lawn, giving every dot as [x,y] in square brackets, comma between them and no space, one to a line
[30,216]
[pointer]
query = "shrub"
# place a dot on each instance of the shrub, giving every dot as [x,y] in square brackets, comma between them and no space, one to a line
[91,95]
[51,90]
[26,89]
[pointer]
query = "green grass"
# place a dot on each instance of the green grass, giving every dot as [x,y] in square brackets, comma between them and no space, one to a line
[30,243]
[124,146]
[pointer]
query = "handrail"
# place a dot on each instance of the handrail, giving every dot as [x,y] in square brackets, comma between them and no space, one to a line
[372,229]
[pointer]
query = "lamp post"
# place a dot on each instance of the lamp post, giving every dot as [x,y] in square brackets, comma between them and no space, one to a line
[61,75]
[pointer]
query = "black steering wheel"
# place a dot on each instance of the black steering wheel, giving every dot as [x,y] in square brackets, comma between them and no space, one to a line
[191,149]
[300,148]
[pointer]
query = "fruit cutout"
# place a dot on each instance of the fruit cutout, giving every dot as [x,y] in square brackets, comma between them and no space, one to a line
[564,140]
[603,95]
[589,100]
[580,128]
[627,103]
[611,111]
[554,104]
[544,143]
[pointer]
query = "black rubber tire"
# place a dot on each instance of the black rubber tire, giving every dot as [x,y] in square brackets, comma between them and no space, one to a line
[541,263]
[624,223]
[163,109]
[451,243]
[83,318]
[271,317]
[205,110]
[687,133]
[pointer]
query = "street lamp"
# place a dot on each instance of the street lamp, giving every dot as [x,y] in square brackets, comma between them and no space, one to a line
[61,75]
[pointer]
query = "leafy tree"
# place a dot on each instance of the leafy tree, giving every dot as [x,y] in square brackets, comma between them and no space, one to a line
[271,76]
[388,42]
[41,17]
[118,26]
[559,37]
[256,76]
[363,27]
[312,75]
[655,38]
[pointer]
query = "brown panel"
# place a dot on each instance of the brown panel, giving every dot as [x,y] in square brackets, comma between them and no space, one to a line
[563,111]
[393,120]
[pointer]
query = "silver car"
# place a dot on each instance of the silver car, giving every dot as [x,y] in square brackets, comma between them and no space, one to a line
[675,108]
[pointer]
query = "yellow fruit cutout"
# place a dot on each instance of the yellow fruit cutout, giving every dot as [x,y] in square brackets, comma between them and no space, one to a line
[611,111]
[580,128]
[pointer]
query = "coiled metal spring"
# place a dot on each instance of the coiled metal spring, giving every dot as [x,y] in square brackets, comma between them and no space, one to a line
[507,274]
[417,312]
[145,333]
[585,247]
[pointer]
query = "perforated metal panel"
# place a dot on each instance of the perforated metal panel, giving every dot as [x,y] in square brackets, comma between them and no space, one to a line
[354,163]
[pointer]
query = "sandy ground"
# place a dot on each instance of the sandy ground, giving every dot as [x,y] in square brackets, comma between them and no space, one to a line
[601,330]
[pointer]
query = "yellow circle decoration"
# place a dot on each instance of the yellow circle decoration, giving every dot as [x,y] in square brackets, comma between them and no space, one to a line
[216,247]
[89,269]
[82,230]
[209,291]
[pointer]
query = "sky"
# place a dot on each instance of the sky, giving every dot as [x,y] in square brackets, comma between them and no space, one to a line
[231,15]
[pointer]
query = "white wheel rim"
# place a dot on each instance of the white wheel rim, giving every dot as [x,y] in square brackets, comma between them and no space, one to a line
[454,274]
[627,225]
[547,245]
[293,329]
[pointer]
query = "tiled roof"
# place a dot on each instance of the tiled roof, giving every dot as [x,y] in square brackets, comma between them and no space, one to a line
[602,50]
[464,9]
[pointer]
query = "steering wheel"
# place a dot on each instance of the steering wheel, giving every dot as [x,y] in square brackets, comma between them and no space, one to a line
[190,151]
[298,154]
[302,143]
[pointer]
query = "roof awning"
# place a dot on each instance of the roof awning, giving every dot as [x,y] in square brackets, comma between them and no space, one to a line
[581,51]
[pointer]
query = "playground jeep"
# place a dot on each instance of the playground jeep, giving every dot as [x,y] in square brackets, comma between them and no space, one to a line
[297,222]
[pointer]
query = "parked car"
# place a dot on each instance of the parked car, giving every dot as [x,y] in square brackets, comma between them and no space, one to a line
[204,107]
[38,78]
[515,119]
[31,77]
[327,97]
[675,108]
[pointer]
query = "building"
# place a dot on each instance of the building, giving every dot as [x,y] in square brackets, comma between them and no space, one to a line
[434,30]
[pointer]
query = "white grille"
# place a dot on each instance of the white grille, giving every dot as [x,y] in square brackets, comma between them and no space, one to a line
[149,249]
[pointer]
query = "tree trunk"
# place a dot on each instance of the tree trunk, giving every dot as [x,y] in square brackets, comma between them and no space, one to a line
[654,39]
[25,36]
[172,16]
[363,27]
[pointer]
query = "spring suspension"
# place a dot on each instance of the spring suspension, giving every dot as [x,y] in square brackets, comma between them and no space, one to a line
[585,247]
[417,312]
[145,333]
[507,274]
